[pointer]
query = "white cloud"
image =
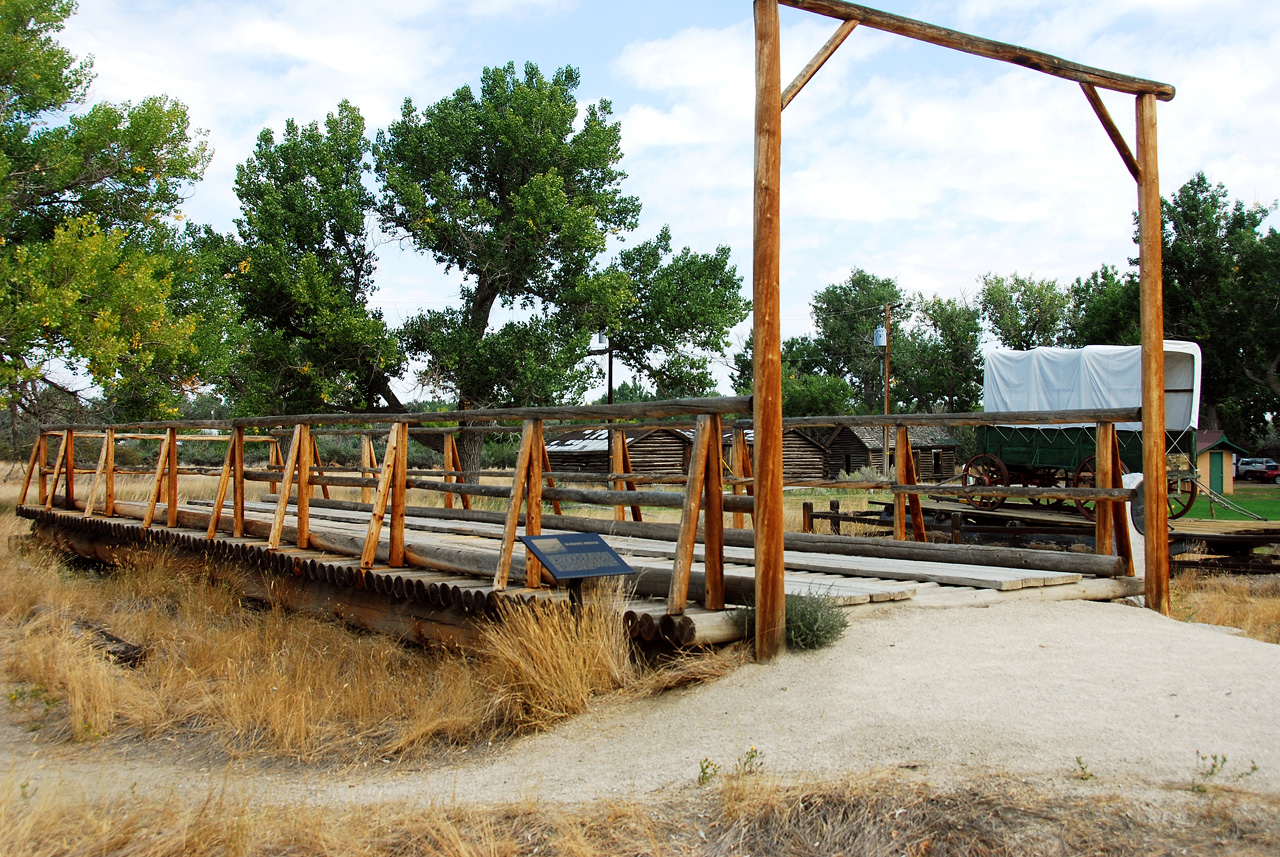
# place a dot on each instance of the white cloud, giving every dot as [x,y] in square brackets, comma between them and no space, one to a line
[906,159]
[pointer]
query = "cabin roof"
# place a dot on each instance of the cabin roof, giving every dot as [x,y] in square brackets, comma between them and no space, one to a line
[597,440]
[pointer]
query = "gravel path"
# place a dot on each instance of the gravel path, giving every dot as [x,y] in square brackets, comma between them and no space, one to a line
[1022,688]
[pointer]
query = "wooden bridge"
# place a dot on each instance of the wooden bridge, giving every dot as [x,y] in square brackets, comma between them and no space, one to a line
[363,559]
[430,572]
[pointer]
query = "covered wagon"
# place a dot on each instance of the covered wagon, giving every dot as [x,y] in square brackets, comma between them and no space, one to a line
[1090,378]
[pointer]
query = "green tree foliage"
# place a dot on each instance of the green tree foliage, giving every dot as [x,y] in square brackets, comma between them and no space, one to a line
[1023,312]
[300,275]
[1216,291]
[519,193]
[85,252]
[1221,290]
[85,298]
[808,390]
[938,365]
[678,309]
[934,354]
[503,189]
[846,315]
[1260,281]
[1103,309]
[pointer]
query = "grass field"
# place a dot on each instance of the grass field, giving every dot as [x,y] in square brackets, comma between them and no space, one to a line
[1261,499]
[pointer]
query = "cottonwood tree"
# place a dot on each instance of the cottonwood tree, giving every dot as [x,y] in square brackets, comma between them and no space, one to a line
[519,193]
[1023,312]
[938,363]
[808,388]
[300,272]
[1104,309]
[676,309]
[86,206]
[1219,289]
[846,315]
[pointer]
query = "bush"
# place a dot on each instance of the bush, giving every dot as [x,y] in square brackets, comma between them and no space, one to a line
[813,621]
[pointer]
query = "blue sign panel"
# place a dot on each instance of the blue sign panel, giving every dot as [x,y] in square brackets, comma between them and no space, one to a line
[573,556]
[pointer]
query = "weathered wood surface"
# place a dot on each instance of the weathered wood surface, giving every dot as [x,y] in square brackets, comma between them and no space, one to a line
[1151,300]
[1109,125]
[989,48]
[767,333]
[977,418]
[628,410]
[819,59]
[952,574]
[1017,558]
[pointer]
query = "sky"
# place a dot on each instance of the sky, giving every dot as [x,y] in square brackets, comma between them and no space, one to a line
[901,158]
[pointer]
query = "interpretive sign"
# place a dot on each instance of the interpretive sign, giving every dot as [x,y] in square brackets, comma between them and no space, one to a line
[574,556]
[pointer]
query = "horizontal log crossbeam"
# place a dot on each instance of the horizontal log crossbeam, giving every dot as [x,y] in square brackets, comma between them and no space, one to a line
[979,46]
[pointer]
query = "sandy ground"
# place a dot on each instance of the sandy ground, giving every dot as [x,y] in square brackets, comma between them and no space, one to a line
[1022,688]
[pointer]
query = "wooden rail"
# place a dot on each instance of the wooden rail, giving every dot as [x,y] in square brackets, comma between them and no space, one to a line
[383,481]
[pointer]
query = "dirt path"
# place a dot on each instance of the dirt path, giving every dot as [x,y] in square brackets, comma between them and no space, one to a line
[1022,688]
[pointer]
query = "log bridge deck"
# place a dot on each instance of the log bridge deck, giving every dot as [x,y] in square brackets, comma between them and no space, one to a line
[435,573]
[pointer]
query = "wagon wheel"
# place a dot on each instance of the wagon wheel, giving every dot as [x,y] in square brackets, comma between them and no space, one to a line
[1052,478]
[1182,496]
[1086,478]
[981,470]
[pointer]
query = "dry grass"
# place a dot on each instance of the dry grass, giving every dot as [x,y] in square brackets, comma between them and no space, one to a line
[258,681]
[745,815]
[1251,603]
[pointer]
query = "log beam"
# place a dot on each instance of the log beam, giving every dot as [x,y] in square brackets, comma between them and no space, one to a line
[811,68]
[1109,125]
[989,48]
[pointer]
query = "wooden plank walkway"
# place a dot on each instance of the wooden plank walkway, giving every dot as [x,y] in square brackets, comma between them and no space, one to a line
[448,587]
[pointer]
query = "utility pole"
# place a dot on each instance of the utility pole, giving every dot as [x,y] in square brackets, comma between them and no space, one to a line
[888,401]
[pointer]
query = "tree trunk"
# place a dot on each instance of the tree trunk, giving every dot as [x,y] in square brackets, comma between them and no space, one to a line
[1210,416]
[470,445]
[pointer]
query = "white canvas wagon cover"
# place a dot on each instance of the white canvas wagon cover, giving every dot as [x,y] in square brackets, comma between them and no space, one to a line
[1096,376]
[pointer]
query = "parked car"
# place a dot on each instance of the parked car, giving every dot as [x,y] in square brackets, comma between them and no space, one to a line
[1271,474]
[1256,468]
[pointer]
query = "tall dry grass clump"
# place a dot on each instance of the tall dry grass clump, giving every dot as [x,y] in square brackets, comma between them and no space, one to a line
[257,680]
[547,661]
[1250,603]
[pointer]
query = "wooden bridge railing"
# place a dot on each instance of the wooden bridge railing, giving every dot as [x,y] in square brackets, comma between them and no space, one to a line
[295,471]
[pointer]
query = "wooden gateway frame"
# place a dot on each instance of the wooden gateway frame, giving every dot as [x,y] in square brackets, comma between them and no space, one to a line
[771,98]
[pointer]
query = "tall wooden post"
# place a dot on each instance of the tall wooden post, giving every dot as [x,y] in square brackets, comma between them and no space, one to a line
[1103,524]
[71,470]
[237,484]
[1151,285]
[767,333]
[713,516]
[109,502]
[395,550]
[43,444]
[369,461]
[171,499]
[888,396]
[304,486]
